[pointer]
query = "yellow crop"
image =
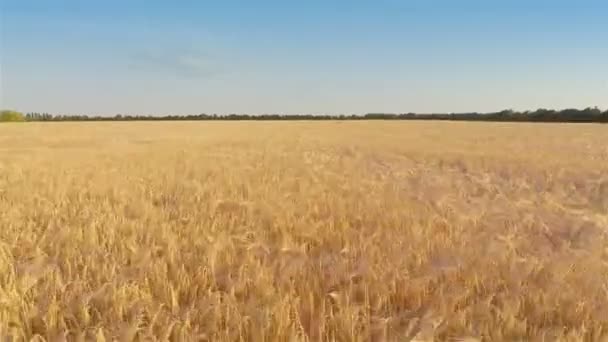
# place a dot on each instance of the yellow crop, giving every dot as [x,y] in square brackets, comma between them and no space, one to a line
[303,231]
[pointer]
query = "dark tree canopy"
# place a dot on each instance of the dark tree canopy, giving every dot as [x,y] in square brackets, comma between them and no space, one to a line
[539,115]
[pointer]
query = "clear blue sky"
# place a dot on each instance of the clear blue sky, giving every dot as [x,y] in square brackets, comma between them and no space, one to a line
[313,56]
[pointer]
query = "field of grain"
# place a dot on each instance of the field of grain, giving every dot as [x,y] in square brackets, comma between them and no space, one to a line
[303,231]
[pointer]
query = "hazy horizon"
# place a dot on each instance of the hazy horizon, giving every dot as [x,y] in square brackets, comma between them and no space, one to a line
[317,57]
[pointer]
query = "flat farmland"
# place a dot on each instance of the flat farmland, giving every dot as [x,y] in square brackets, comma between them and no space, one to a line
[303,231]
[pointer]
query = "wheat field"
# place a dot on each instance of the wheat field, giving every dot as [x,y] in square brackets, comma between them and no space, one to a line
[303,231]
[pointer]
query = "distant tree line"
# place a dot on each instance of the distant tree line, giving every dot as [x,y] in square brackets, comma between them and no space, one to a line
[539,115]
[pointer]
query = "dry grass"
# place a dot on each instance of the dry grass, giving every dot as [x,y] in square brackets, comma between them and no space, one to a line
[284,231]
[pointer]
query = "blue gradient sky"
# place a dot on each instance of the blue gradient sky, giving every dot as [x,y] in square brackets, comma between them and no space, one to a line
[313,56]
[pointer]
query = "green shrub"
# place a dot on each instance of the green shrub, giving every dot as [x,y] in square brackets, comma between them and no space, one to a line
[11,116]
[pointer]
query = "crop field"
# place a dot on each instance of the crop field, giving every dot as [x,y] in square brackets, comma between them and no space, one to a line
[303,231]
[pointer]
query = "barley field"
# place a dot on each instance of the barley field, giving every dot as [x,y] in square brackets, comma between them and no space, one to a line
[303,231]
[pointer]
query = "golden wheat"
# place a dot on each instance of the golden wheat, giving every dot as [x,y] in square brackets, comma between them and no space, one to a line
[285,231]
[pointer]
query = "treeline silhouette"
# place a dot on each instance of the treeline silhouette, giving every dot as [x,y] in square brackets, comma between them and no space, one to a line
[540,115]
